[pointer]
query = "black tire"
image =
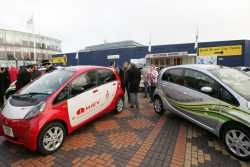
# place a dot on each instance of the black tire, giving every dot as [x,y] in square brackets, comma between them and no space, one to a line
[158,106]
[228,130]
[42,134]
[120,105]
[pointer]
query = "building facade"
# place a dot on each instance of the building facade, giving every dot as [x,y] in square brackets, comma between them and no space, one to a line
[22,46]
[229,53]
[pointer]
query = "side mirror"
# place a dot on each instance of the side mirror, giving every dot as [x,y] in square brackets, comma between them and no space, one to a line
[207,89]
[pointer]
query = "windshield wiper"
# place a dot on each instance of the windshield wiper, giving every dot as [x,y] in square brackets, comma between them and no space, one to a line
[38,93]
[31,94]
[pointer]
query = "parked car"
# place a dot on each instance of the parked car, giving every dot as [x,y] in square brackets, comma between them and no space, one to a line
[214,97]
[42,113]
[245,69]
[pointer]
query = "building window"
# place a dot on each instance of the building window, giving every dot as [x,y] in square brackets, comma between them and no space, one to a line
[10,56]
[177,61]
[31,44]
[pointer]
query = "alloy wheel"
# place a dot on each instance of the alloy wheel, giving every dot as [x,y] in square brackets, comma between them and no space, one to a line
[238,142]
[157,105]
[120,105]
[53,138]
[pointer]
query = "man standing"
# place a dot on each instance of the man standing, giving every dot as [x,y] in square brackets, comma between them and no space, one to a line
[152,81]
[4,84]
[126,67]
[134,78]
[24,77]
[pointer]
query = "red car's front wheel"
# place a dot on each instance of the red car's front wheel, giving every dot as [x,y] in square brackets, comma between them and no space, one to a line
[51,138]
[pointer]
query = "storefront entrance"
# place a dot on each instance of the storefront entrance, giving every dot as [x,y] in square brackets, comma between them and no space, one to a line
[163,60]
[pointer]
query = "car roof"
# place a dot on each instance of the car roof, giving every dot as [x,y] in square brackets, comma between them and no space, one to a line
[83,68]
[200,67]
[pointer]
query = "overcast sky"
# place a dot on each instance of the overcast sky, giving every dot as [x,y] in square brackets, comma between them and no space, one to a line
[79,23]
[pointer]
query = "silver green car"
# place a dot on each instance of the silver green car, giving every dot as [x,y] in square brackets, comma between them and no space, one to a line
[214,97]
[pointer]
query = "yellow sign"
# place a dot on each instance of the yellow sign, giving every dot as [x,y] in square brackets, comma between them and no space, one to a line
[233,50]
[56,60]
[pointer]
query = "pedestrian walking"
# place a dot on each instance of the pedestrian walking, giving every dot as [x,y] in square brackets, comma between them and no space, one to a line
[152,76]
[134,78]
[24,77]
[4,84]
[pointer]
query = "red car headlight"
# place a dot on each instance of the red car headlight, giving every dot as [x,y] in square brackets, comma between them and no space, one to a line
[35,111]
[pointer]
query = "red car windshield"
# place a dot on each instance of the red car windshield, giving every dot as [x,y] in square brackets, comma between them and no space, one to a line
[48,83]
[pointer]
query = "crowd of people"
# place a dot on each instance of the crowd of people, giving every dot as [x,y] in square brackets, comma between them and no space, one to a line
[21,76]
[130,74]
[131,77]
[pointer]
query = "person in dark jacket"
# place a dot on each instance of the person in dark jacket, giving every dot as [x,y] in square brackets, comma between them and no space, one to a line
[126,67]
[24,77]
[4,84]
[134,78]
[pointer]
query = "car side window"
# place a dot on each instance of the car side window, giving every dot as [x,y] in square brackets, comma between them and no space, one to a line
[175,76]
[196,80]
[105,76]
[165,76]
[228,97]
[83,83]
[63,95]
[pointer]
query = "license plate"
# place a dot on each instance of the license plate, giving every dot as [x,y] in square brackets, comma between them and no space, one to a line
[8,131]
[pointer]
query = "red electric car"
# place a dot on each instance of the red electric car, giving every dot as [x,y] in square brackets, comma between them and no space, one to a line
[41,114]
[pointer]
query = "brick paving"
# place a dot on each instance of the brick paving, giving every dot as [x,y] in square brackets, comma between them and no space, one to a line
[130,139]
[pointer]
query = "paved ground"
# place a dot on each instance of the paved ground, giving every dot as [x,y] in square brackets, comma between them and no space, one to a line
[129,139]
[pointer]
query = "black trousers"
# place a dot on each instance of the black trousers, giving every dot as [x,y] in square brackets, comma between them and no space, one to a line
[1,100]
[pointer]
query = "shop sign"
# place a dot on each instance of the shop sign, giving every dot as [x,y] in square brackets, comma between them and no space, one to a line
[233,50]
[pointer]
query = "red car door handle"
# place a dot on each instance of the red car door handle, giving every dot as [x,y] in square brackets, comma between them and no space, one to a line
[94,91]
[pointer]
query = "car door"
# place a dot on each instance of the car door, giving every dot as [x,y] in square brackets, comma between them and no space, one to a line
[172,85]
[84,98]
[203,106]
[107,86]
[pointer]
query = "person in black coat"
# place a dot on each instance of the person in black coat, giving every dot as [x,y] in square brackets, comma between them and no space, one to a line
[4,84]
[126,67]
[24,77]
[134,78]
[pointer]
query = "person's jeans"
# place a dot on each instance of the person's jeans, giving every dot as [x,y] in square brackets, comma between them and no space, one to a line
[134,99]
[152,90]
[127,90]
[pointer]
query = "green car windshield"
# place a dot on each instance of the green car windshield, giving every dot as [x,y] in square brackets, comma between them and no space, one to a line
[237,80]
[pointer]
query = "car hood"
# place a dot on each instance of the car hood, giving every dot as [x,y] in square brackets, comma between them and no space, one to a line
[19,108]
[13,112]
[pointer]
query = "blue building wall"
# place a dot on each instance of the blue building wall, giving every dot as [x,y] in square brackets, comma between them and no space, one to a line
[247,53]
[100,57]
